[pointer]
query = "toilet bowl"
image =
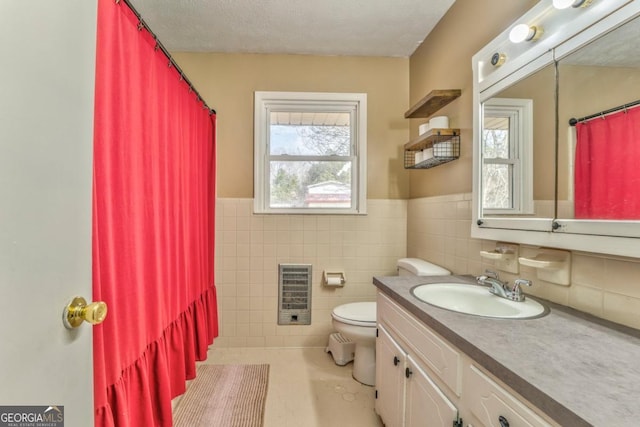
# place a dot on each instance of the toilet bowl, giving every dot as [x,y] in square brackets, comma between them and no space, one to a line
[357,321]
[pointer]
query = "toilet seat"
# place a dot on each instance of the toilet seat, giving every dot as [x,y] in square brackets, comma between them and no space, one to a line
[356,313]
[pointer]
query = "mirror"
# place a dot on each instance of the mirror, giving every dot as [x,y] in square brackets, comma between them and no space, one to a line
[585,63]
[599,157]
[518,149]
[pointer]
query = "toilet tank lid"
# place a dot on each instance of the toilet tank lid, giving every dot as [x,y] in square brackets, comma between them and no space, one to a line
[420,267]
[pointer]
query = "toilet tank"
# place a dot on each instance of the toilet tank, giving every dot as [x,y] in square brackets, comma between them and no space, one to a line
[420,267]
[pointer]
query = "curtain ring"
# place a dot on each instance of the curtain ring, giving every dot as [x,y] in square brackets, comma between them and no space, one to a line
[602,115]
[625,108]
[140,26]
[157,46]
[170,64]
[117,1]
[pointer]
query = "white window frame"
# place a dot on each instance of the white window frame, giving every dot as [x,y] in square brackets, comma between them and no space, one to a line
[520,114]
[267,102]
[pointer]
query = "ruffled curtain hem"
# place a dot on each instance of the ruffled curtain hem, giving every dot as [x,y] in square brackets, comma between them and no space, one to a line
[142,395]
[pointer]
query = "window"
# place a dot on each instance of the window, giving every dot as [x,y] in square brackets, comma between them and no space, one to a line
[507,159]
[310,152]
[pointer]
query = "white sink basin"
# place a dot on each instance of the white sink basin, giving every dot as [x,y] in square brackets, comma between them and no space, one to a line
[476,300]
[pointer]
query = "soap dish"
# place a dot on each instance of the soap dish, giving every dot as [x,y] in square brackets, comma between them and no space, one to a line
[551,265]
[505,257]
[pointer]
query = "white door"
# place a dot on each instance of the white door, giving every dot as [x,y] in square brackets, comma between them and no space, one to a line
[47,71]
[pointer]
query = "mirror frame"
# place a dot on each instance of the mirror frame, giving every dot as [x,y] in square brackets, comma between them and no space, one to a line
[565,31]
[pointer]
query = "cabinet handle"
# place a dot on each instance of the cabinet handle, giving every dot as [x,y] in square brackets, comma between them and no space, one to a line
[503,421]
[395,360]
[407,373]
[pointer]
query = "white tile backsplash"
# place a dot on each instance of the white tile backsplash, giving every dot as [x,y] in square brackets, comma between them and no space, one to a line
[439,231]
[249,248]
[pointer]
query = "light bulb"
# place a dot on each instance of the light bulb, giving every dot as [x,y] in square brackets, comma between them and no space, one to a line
[564,4]
[524,32]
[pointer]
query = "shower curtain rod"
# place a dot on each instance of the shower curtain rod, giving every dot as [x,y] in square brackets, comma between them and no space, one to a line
[160,46]
[575,121]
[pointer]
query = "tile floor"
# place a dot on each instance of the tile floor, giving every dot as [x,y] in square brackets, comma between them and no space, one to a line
[306,388]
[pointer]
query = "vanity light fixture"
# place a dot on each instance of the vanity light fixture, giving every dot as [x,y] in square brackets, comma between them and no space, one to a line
[498,59]
[523,32]
[564,4]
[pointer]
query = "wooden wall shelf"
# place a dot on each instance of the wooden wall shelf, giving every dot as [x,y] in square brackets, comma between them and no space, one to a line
[428,138]
[435,100]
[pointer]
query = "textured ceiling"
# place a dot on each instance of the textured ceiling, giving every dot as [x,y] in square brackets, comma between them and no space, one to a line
[320,27]
[616,49]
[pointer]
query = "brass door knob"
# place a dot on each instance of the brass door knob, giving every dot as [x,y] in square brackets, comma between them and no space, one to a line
[78,311]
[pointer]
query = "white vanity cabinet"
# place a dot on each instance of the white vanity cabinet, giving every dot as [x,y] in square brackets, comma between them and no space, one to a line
[391,361]
[405,394]
[422,380]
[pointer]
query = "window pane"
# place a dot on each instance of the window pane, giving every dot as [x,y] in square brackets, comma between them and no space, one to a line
[310,134]
[495,138]
[323,184]
[310,152]
[496,187]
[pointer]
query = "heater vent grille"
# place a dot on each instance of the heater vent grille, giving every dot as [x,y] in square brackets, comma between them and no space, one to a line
[294,294]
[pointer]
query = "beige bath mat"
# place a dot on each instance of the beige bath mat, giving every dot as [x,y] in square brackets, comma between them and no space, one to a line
[224,396]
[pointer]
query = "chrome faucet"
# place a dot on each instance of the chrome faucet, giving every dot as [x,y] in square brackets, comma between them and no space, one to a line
[491,278]
[500,288]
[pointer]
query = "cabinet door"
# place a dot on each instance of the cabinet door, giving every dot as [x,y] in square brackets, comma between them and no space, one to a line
[390,366]
[443,360]
[426,405]
[489,402]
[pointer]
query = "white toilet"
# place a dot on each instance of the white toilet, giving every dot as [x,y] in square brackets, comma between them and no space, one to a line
[357,321]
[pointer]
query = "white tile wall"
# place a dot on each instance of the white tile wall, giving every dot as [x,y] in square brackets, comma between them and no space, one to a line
[605,286]
[439,230]
[249,248]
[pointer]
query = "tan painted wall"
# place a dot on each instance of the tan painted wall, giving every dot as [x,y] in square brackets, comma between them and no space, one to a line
[443,61]
[227,83]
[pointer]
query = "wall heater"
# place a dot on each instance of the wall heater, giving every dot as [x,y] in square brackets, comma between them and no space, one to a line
[294,294]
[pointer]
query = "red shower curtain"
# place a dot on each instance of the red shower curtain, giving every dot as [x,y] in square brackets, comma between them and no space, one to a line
[607,176]
[153,226]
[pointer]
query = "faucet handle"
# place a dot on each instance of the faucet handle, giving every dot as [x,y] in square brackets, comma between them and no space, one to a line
[516,291]
[519,282]
[491,273]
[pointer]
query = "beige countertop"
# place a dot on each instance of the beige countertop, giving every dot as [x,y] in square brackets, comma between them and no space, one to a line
[576,368]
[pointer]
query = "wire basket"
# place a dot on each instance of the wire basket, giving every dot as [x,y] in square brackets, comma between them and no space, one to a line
[443,149]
